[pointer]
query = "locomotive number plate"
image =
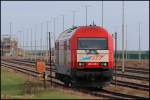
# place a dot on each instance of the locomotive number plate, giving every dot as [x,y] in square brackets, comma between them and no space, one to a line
[92,63]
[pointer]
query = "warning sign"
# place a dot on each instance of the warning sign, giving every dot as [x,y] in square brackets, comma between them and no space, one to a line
[40,66]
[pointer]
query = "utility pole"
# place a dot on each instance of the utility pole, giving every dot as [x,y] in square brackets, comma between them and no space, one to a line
[126,43]
[74,18]
[115,58]
[86,14]
[122,36]
[54,36]
[31,44]
[139,44]
[27,43]
[86,8]
[17,44]
[10,36]
[54,30]
[41,39]
[19,40]
[50,57]
[62,22]
[35,41]
[102,13]
[47,39]
[23,43]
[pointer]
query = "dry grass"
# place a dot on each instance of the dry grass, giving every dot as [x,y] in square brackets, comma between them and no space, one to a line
[33,88]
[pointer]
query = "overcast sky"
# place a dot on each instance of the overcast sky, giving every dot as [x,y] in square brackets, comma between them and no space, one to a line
[25,15]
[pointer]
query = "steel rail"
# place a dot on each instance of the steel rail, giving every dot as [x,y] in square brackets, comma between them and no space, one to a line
[133,77]
[135,68]
[131,85]
[135,71]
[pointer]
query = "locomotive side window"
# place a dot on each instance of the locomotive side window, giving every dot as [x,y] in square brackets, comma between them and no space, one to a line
[68,46]
[57,45]
[65,45]
[92,43]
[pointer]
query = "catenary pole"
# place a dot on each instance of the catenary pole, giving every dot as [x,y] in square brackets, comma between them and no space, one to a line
[139,43]
[47,39]
[102,13]
[50,57]
[10,35]
[126,44]
[122,36]
[31,44]
[115,58]
[41,48]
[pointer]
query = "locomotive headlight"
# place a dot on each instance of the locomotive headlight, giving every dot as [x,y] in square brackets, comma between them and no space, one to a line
[103,63]
[81,63]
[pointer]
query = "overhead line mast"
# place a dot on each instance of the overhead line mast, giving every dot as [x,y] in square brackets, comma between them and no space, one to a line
[122,36]
[10,35]
[102,13]
[139,44]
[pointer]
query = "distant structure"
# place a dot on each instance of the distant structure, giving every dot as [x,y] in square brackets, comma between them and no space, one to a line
[9,46]
[134,54]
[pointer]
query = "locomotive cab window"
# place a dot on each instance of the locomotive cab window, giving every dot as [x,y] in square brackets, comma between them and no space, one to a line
[92,43]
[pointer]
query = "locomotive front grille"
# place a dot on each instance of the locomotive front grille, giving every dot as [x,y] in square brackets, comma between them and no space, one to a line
[93,75]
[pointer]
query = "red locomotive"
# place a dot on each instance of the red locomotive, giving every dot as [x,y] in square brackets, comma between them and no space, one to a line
[84,56]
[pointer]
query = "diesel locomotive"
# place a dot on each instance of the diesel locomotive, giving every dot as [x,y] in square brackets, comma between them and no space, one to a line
[84,56]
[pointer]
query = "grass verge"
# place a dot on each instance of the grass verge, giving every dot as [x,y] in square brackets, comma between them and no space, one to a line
[12,87]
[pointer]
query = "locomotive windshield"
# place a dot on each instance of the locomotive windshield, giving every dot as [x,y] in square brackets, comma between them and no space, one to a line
[92,43]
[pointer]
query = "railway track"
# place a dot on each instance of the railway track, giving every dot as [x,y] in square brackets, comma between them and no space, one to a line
[28,64]
[102,93]
[129,74]
[131,85]
[120,83]
[135,70]
[141,69]
[129,69]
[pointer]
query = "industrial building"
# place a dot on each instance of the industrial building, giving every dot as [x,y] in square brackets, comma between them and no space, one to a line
[8,46]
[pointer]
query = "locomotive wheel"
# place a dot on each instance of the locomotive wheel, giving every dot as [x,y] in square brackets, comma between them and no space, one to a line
[95,88]
[68,84]
[99,88]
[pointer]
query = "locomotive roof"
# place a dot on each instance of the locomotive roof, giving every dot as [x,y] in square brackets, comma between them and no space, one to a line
[69,32]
